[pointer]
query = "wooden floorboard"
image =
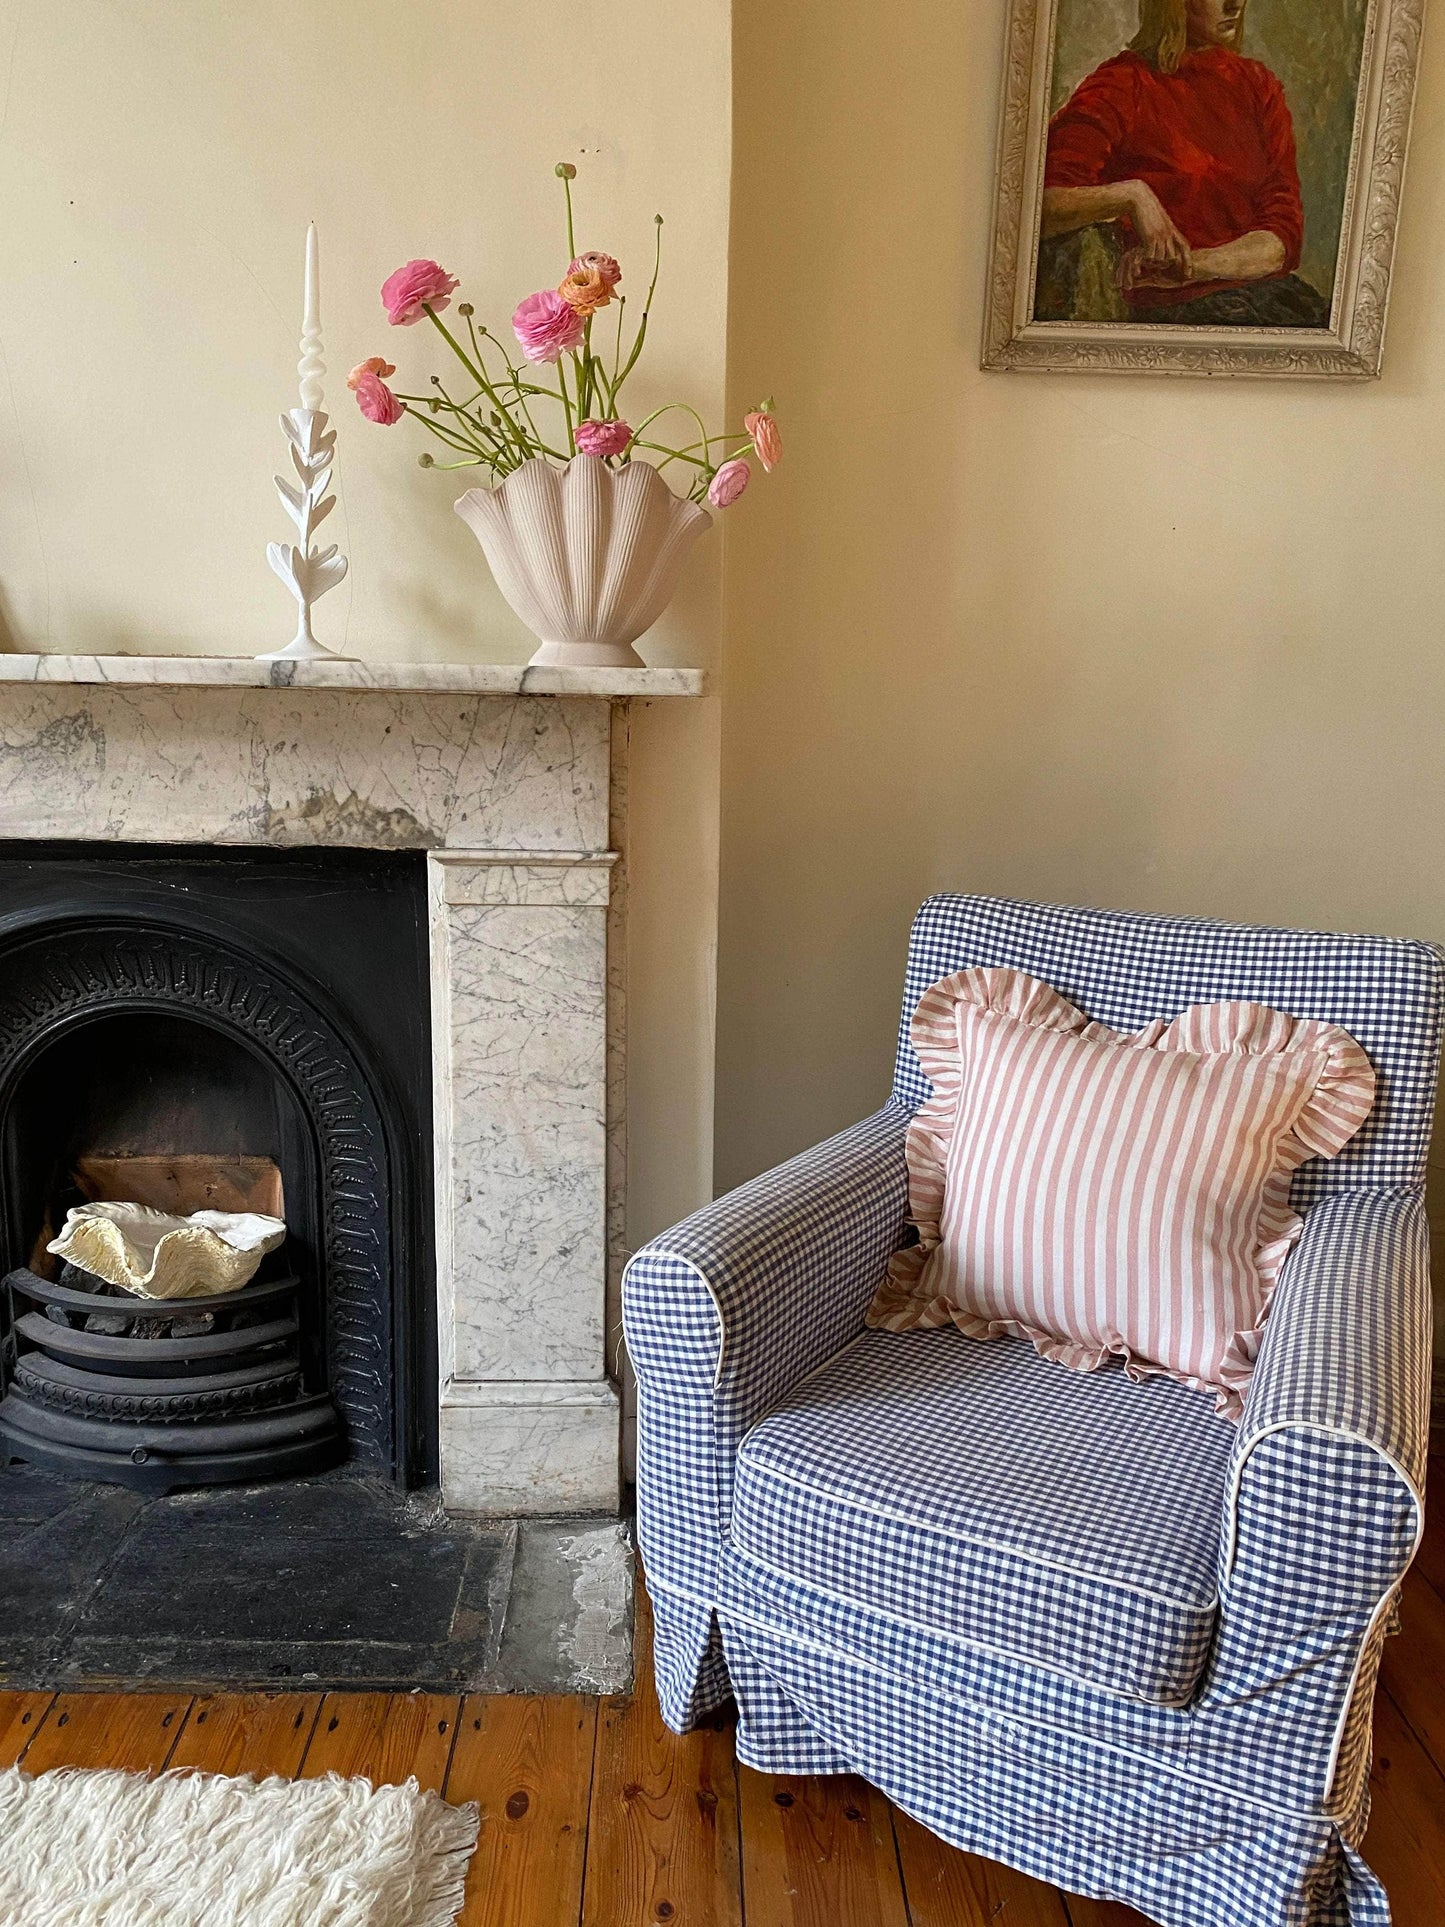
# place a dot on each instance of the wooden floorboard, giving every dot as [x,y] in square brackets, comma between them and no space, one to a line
[818,1852]
[527,1762]
[594,1815]
[946,1888]
[1413,1668]
[387,1737]
[662,1845]
[134,1731]
[1406,1840]
[21,1715]
[1430,1560]
[256,1733]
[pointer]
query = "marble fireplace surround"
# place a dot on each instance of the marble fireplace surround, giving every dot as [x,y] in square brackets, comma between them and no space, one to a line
[513,781]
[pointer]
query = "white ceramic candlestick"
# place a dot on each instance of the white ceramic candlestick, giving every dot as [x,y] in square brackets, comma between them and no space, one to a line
[307,571]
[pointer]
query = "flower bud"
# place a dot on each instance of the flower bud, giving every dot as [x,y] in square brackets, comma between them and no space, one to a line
[465,310]
[426,461]
[566,171]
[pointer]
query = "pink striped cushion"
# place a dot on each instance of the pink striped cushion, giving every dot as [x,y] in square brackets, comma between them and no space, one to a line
[1101,1193]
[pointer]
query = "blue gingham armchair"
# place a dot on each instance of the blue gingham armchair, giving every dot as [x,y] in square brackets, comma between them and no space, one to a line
[1076,1624]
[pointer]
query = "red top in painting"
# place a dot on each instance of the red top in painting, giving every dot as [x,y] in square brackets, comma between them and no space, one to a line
[1213,140]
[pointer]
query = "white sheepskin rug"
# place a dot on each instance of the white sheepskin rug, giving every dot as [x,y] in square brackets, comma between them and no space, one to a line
[96,1848]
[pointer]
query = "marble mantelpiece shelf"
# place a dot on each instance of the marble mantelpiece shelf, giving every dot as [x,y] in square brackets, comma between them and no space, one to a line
[241,672]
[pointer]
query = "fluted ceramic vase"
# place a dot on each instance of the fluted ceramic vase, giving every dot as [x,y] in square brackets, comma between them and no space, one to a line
[588,556]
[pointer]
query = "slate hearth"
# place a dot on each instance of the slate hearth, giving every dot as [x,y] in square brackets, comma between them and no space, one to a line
[339,1581]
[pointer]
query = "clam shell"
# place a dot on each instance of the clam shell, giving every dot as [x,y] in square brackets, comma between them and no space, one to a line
[156,1255]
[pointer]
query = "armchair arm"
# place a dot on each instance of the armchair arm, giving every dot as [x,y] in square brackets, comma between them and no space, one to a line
[1346,1347]
[1325,1501]
[733,1306]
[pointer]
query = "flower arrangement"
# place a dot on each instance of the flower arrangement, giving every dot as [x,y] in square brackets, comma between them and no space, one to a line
[511,415]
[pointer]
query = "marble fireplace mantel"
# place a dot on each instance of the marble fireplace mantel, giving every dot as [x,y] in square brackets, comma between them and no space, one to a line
[447,678]
[513,781]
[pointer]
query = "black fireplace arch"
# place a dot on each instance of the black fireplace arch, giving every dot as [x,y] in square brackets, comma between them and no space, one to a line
[63,974]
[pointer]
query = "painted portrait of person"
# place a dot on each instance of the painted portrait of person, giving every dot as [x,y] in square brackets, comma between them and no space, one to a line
[1172,188]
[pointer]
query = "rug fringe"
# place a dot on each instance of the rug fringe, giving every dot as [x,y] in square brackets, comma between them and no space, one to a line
[457,1831]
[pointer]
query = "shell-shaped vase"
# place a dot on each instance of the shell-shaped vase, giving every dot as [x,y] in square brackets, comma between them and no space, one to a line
[588,556]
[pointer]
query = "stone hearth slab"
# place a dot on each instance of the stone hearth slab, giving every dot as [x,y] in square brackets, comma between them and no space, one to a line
[338,1582]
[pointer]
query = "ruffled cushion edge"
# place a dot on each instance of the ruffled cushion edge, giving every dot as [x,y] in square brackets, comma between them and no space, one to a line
[1331,1111]
[895,1310]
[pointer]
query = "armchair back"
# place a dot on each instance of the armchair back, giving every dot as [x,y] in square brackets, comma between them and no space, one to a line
[1124,969]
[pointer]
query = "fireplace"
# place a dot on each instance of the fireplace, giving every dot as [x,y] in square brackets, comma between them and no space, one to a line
[233,1027]
[350,938]
[503,790]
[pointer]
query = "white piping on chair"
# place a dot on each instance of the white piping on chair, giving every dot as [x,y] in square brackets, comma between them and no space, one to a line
[1323,1431]
[1201,1606]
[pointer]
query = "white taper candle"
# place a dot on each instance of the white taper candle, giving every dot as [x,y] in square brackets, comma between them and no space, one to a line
[311,367]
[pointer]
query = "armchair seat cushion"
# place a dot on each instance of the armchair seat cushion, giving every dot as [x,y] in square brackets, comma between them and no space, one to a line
[1068,1521]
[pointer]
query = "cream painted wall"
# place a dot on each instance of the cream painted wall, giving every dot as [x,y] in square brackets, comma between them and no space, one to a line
[1168,645]
[158,165]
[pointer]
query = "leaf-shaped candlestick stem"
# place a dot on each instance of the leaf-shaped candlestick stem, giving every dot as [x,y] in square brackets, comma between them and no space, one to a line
[307,571]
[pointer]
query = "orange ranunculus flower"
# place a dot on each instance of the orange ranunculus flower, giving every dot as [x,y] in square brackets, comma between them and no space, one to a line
[762,425]
[585,288]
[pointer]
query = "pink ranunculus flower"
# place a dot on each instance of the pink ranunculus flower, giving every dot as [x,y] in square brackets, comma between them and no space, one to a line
[598,264]
[373,365]
[762,425]
[602,438]
[406,294]
[728,484]
[547,327]
[376,401]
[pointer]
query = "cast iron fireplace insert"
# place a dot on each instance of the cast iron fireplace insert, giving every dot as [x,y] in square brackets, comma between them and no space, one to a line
[267,1011]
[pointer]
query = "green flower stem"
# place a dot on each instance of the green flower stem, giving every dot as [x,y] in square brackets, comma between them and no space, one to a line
[579,373]
[421,407]
[707,440]
[443,435]
[603,385]
[514,369]
[513,372]
[744,443]
[571,237]
[566,405]
[479,375]
[487,439]
[646,311]
[472,425]
[672,454]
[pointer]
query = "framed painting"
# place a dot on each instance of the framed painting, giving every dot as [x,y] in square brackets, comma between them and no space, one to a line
[1202,187]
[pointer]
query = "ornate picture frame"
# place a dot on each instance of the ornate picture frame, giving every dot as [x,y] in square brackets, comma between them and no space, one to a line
[1354,124]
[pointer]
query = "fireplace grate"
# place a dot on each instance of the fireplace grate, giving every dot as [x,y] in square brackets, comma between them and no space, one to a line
[160,1395]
